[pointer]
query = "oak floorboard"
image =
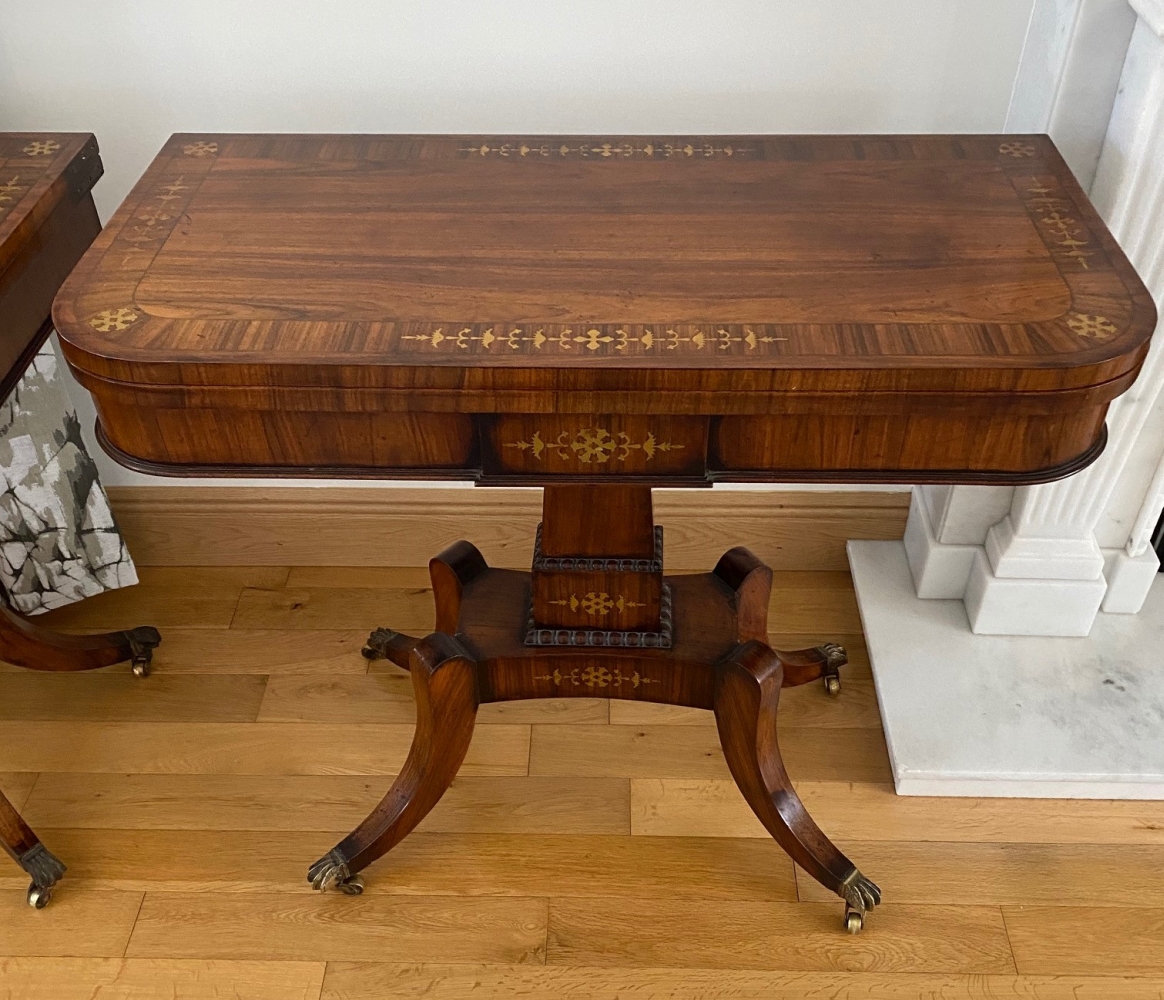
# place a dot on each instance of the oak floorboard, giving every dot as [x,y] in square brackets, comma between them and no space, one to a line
[325,927]
[151,979]
[793,937]
[1086,940]
[409,610]
[997,874]
[165,787]
[385,695]
[122,697]
[694,752]
[424,864]
[240,748]
[273,652]
[353,577]
[191,596]
[16,786]
[223,650]
[802,602]
[377,980]
[813,602]
[715,808]
[474,804]
[80,923]
[807,706]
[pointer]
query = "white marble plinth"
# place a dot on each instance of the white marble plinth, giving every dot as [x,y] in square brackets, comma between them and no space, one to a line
[1017,716]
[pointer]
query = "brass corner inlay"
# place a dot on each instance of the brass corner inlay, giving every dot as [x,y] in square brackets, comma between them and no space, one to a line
[1016,149]
[593,444]
[597,603]
[113,319]
[1092,327]
[200,148]
[607,150]
[597,678]
[43,147]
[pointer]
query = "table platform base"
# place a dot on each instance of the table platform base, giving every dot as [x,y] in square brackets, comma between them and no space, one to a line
[718,659]
[27,645]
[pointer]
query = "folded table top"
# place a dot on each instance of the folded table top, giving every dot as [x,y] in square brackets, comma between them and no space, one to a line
[729,264]
[47,221]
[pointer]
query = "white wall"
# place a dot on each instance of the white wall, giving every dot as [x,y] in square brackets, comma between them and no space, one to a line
[133,71]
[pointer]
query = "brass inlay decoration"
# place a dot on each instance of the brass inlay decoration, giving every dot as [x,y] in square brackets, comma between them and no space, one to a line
[608,150]
[593,444]
[597,678]
[592,339]
[153,220]
[597,603]
[200,148]
[1017,149]
[151,223]
[1070,237]
[44,147]
[113,319]
[1092,327]
[9,192]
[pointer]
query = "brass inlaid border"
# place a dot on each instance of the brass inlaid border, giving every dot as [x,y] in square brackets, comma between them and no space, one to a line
[607,149]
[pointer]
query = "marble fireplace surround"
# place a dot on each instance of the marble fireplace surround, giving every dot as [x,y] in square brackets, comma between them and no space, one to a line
[1017,635]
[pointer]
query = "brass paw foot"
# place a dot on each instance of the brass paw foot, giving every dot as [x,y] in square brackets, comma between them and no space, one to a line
[142,643]
[835,658]
[331,873]
[46,870]
[378,644]
[388,644]
[861,895]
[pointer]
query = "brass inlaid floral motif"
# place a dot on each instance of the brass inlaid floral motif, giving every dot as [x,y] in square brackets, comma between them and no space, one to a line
[597,678]
[592,339]
[597,603]
[1017,149]
[593,444]
[9,192]
[609,150]
[113,319]
[1092,327]
[200,148]
[44,147]
[1070,237]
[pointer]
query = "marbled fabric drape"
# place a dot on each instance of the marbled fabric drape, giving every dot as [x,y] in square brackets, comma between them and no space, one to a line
[59,541]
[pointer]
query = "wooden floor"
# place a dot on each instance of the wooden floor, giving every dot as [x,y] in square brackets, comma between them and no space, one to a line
[587,851]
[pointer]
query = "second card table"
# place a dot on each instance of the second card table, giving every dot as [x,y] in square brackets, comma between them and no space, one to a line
[599,316]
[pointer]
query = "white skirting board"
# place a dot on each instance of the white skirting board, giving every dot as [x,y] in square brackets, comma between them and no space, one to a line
[1005,716]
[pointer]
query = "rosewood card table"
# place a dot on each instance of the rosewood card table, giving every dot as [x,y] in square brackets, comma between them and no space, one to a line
[599,316]
[47,220]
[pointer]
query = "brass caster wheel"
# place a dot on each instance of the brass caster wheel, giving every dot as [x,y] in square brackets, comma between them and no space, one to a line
[39,896]
[854,922]
[832,684]
[142,642]
[353,886]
